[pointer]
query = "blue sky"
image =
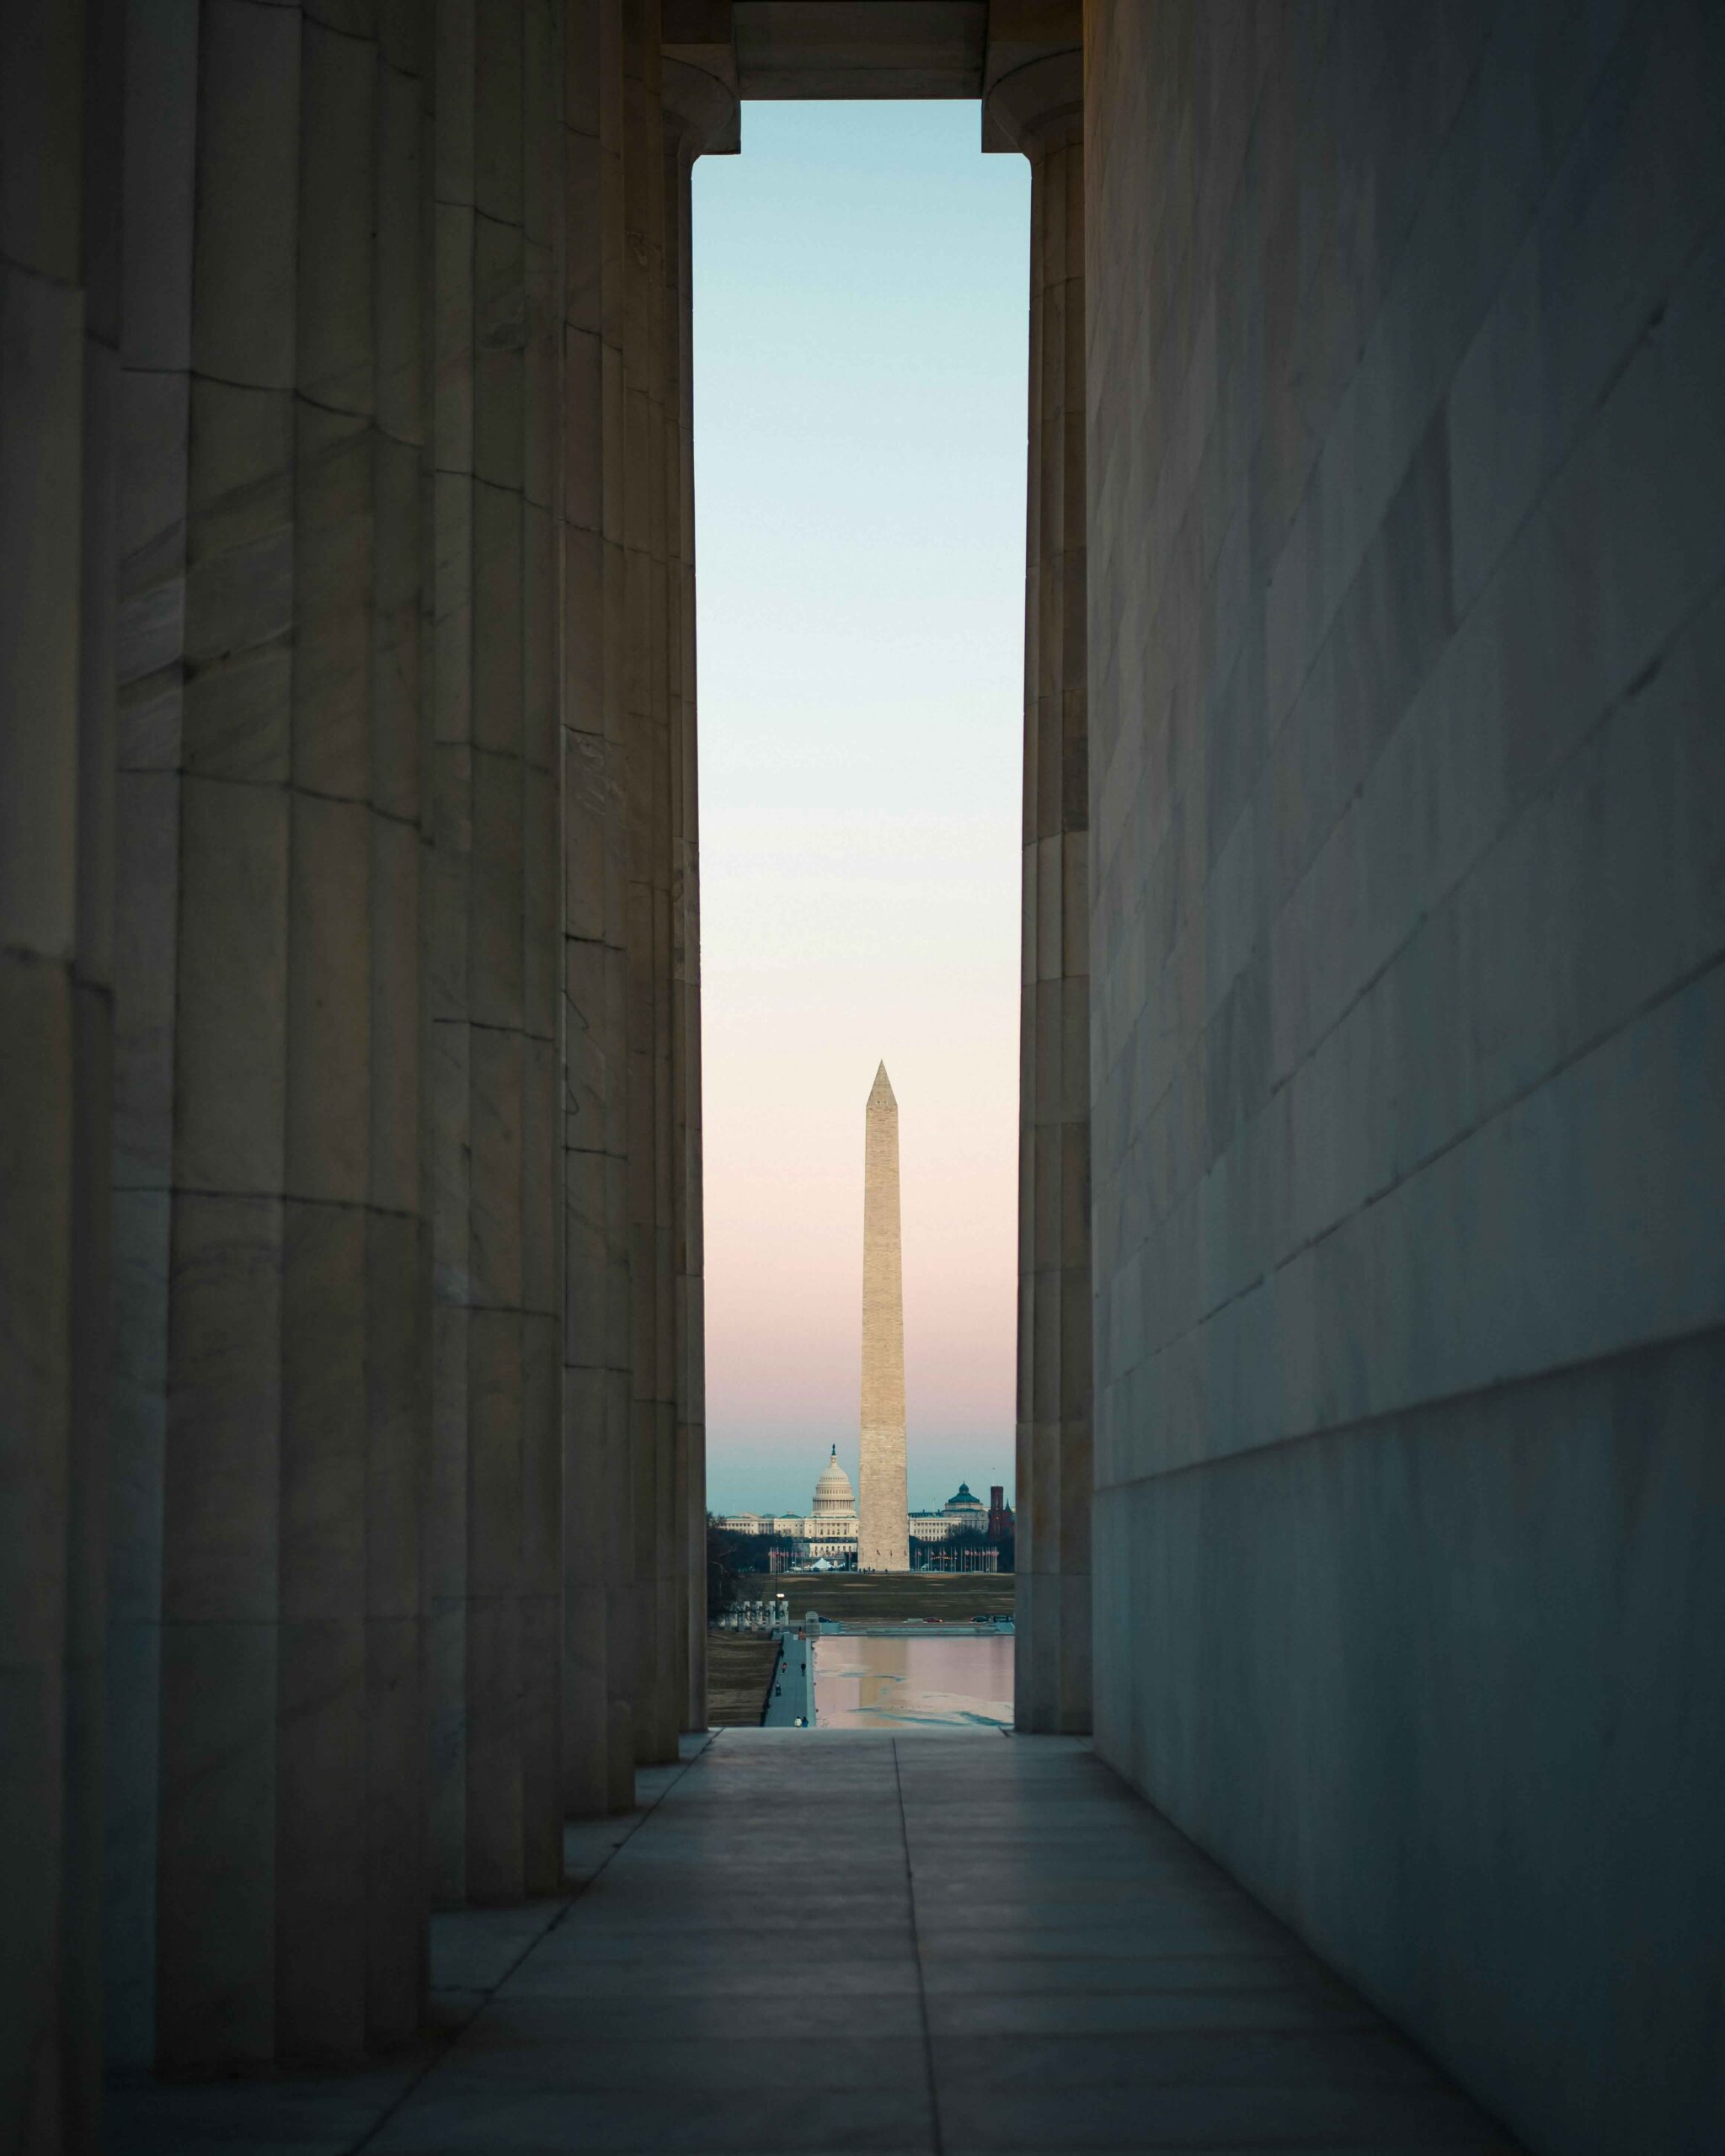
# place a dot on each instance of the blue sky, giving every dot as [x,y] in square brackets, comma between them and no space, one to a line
[861,296]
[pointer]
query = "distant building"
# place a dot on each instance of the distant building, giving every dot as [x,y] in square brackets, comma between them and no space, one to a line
[964,1510]
[828,1529]
[1001,1523]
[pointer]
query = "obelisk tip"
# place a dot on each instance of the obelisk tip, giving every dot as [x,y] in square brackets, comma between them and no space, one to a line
[880,1093]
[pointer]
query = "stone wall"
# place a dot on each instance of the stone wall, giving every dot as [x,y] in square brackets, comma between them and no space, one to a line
[1406,330]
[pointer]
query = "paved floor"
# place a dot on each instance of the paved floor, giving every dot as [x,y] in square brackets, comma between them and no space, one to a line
[833,1941]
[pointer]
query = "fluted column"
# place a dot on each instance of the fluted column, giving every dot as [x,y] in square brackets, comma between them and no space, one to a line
[59,202]
[700,116]
[599,1552]
[494,951]
[646,666]
[160,138]
[1039,109]
[272,1288]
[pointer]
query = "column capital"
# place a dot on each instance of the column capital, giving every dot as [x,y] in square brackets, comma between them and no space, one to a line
[702,116]
[1037,108]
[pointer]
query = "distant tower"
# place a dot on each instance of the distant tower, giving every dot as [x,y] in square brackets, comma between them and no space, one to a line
[882,1509]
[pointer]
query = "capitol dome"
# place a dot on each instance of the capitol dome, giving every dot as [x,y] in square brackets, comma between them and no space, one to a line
[833,1495]
[963,1505]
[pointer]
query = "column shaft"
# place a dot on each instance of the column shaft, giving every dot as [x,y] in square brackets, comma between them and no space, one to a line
[498,1499]
[700,115]
[647,692]
[599,1618]
[271,1295]
[58,203]
[1041,109]
[160,139]
[683,144]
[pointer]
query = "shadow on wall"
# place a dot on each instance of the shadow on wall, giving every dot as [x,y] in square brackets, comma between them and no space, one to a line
[1406,754]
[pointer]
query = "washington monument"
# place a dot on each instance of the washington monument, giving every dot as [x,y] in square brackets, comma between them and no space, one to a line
[883,1540]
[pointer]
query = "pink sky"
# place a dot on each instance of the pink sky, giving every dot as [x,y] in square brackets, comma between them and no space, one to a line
[860,372]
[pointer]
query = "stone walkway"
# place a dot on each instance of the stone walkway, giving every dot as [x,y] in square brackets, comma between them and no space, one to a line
[832,1941]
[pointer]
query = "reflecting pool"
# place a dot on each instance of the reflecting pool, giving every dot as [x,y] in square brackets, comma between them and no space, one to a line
[875,1680]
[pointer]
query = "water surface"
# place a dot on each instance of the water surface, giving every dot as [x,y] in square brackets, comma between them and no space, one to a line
[864,1682]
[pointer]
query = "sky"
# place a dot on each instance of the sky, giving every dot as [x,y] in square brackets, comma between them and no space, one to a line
[860,319]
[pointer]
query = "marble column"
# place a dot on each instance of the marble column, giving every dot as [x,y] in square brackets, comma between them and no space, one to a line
[598,1752]
[272,1286]
[493,951]
[646,668]
[60,67]
[700,116]
[160,142]
[1039,109]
